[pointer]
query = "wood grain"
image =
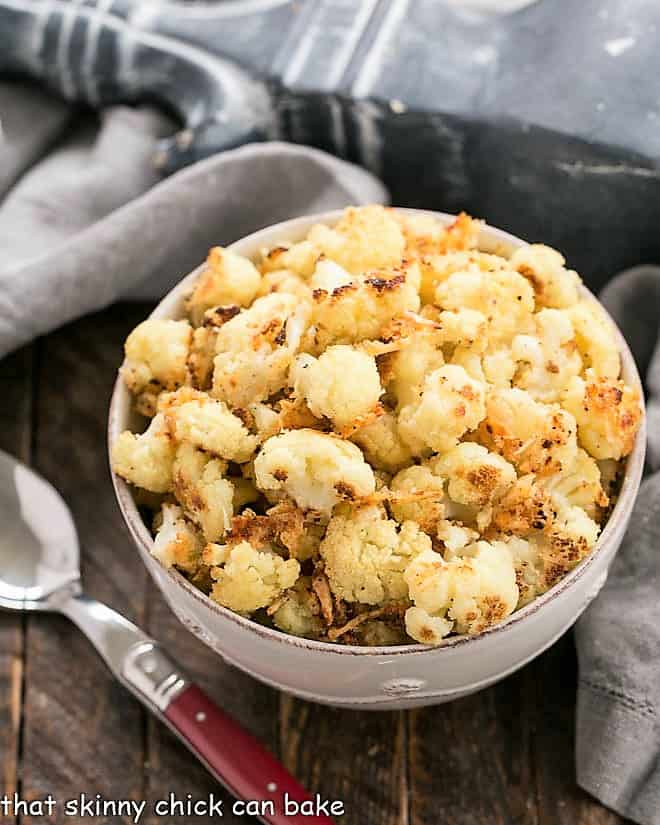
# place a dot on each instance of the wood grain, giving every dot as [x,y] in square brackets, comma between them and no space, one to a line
[15,436]
[471,760]
[356,757]
[82,732]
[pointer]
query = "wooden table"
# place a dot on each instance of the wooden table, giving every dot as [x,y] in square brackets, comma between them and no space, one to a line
[502,756]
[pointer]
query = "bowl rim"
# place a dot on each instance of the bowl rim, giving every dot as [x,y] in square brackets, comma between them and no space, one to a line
[620,513]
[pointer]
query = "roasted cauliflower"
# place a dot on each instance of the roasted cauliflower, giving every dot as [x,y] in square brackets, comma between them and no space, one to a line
[378,433]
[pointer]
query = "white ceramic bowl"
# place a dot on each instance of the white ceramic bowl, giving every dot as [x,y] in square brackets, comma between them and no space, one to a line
[377,677]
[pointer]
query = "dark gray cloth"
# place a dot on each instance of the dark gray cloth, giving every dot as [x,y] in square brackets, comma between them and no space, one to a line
[85,218]
[618,638]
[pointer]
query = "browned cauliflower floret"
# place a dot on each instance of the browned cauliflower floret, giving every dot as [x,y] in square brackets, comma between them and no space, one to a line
[477,477]
[365,555]
[548,359]
[450,404]
[425,235]
[468,593]
[283,280]
[418,494]
[298,611]
[534,437]
[157,353]
[554,285]
[361,309]
[343,385]
[435,269]
[503,297]
[247,578]
[202,489]
[365,238]
[329,276]
[579,485]
[495,367]
[255,349]
[596,339]
[542,559]
[228,278]
[177,542]
[382,445]
[315,469]
[299,258]
[146,460]
[405,370]
[608,414]
[194,417]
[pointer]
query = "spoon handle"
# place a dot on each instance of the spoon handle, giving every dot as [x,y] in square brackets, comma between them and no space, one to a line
[231,754]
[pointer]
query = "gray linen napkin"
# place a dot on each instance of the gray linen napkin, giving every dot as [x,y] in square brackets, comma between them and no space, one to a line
[84,221]
[87,220]
[618,637]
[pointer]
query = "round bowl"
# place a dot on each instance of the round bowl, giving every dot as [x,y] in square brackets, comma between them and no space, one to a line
[376,677]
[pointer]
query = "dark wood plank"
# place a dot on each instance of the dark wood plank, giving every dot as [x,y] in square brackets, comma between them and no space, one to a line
[359,758]
[561,801]
[471,760]
[81,731]
[15,438]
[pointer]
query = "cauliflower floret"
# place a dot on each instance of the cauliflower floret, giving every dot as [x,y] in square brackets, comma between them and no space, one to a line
[435,269]
[203,491]
[283,280]
[177,543]
[419,495]
[476,476]
[503,297]
[548,359]
[228,278]
[579,485]
[426,235]
[526,507]
[367,237]
[361,309]
[298,612]
[554,285]
[543,559]
[299,258]
[329,276]
[208,424]
[424,628]
[470,593]
[157,353]
[596,339]
[534,437]
[316,470]
[256,348]
[404,371]
[382,445]
[250,579]
[365,555]
[146,460]
[495,367]
[455,536]
[608,414]
[343,385]
[451,403]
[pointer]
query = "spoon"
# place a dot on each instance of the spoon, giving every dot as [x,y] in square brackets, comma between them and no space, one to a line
[40,571]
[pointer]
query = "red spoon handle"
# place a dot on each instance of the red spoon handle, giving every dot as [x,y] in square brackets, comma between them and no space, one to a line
[236,758]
